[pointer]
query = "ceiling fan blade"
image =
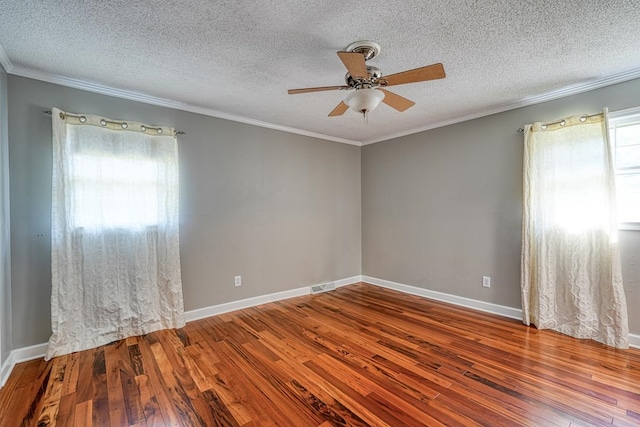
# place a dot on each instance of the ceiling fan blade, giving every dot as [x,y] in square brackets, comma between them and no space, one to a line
[398,102]
[430,72]
[355,64]
[315,89]
[339,110]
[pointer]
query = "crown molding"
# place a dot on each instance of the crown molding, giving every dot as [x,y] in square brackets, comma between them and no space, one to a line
[162,102]
[5,61]
[530,100]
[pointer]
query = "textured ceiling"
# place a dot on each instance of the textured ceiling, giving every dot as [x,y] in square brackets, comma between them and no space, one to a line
[237,58]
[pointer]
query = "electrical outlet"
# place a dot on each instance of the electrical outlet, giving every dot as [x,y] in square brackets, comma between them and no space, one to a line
[238,281]
[486,281]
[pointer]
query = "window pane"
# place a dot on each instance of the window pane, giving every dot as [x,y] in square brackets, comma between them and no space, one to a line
[112,191]
[627,135]
[628,156]
[628,197]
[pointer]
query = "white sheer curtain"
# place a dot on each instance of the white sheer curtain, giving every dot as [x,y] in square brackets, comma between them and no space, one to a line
[115,251]
[571,274]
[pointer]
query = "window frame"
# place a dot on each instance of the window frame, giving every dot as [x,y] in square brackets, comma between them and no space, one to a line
[616,119]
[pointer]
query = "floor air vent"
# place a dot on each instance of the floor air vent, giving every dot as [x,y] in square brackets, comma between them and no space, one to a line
[323,287]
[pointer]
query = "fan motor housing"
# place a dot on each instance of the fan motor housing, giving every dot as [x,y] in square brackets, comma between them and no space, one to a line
[373,72]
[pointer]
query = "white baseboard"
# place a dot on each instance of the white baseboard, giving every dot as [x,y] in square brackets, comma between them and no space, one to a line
[513,313]
[214,310]
[347,281]
[634,340]
[39,350]
[201,313]
[5,370]
[21,355]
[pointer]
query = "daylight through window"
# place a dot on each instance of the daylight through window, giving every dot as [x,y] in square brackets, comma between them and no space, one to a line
[115,192]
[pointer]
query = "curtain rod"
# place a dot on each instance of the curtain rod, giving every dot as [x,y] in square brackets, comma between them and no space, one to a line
[48,113]
[562,122]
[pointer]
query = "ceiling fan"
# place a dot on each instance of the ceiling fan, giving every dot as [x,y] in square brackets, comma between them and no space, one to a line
[368,83]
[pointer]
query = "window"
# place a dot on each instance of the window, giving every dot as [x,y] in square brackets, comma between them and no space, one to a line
[575,197]
[119,179]
[624,131]
[116,192]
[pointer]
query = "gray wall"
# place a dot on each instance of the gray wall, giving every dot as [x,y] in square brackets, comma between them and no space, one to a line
[5,242]
[439,209]
[281,210]
[442,208]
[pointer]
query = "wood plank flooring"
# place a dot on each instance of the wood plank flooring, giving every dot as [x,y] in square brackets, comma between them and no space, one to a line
[357,356]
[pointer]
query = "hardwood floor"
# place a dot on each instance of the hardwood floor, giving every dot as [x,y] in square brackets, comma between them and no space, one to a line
[357,356]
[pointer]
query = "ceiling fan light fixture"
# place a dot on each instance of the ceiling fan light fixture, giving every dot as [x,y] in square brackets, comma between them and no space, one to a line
[364,100]
[368,84]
